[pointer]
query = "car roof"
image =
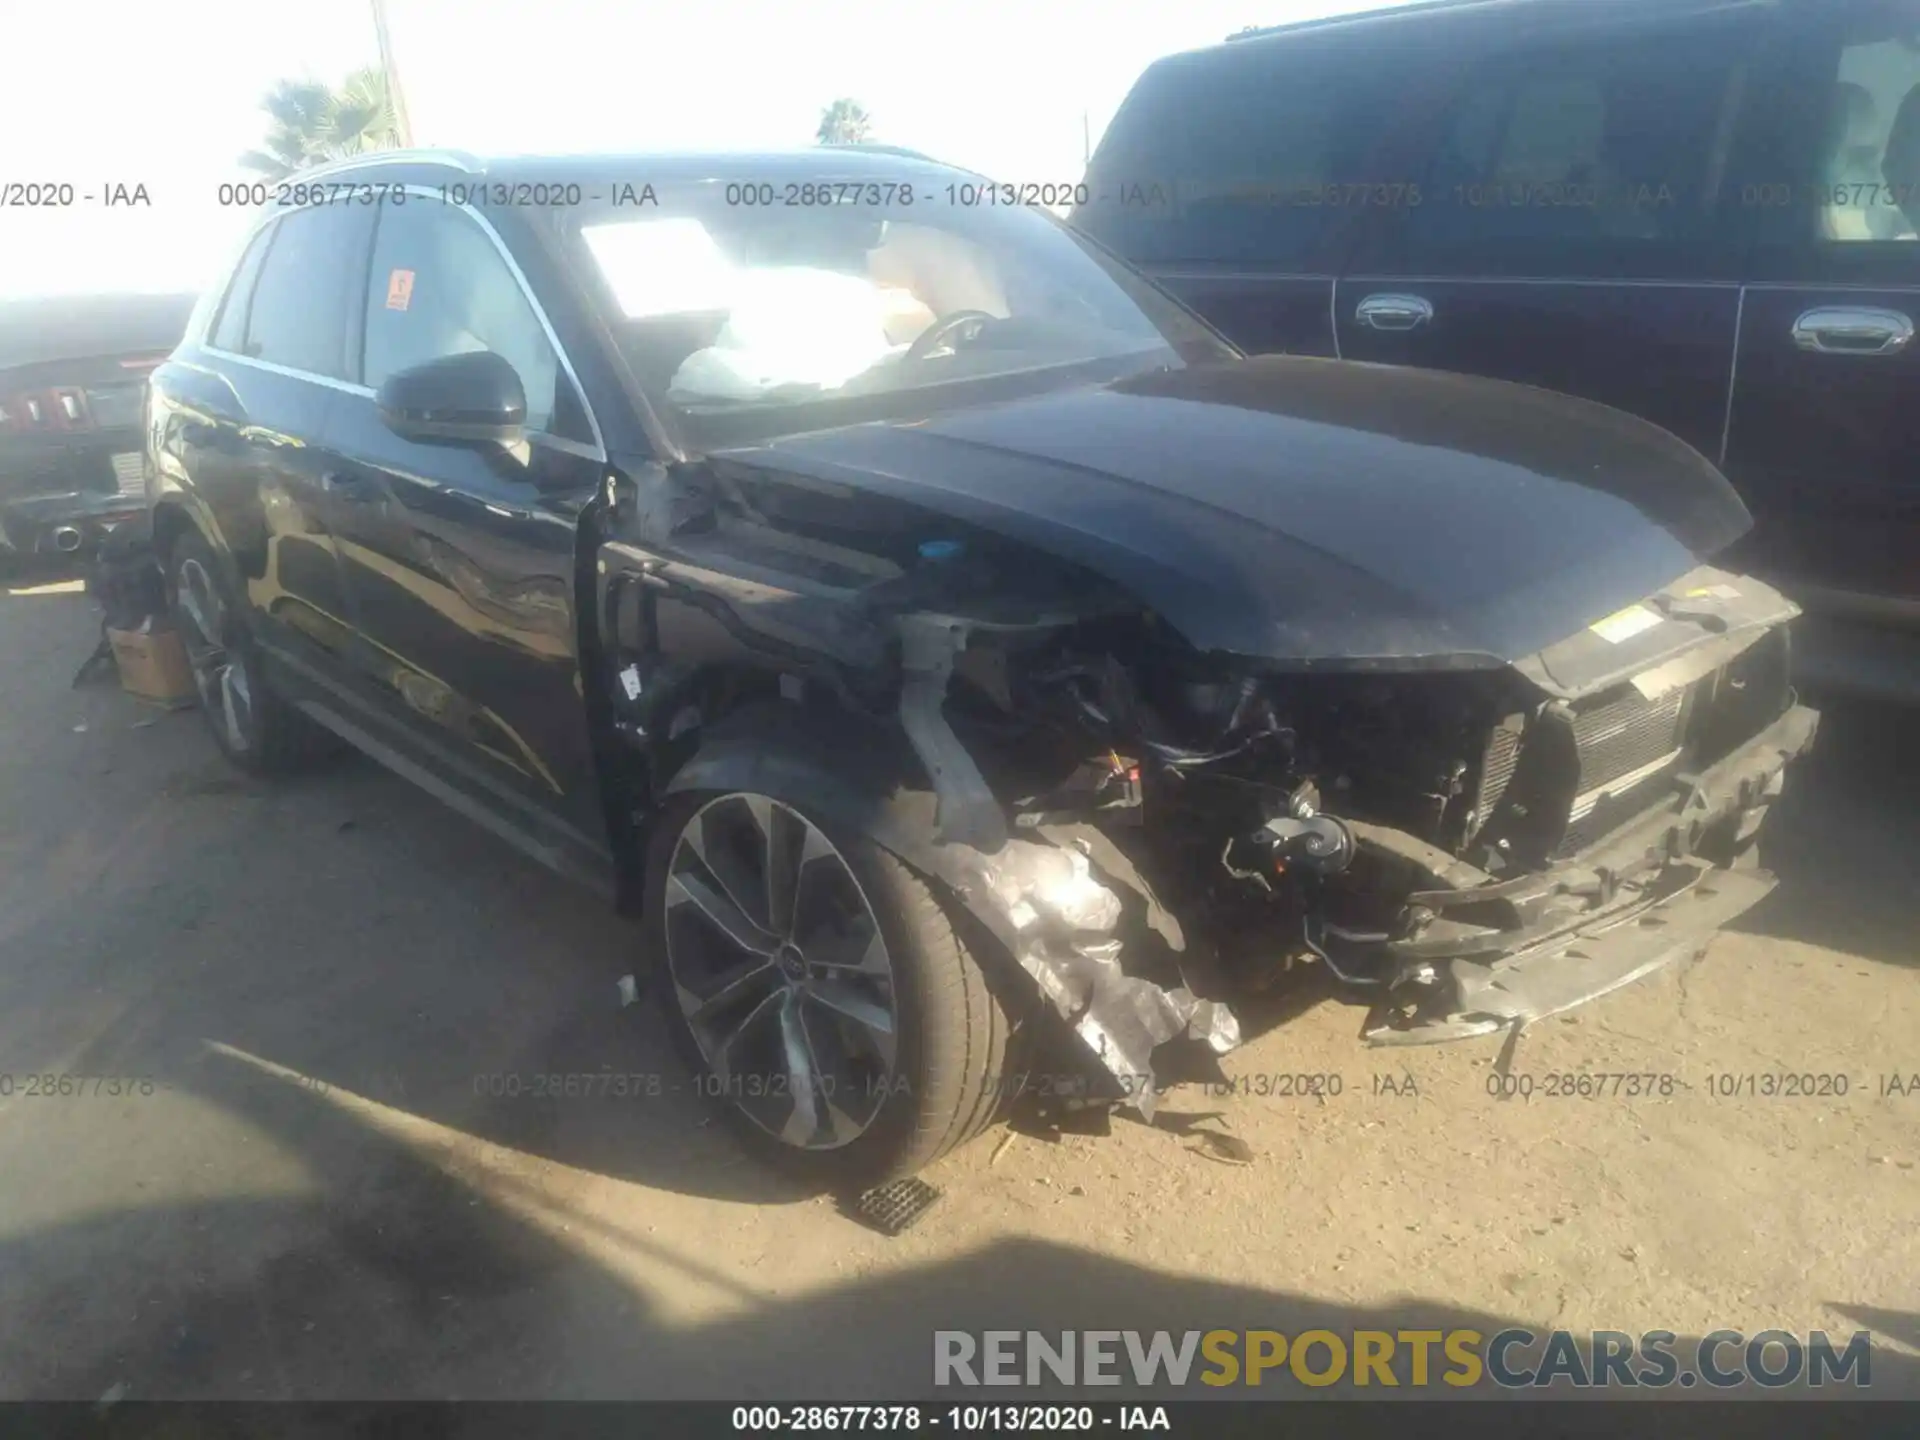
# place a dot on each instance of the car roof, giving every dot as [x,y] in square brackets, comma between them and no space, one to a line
[1417,12]
[850,162]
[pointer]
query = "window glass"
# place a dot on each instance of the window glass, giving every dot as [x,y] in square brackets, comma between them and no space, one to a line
[230,330]
[1246,154]
[440,287]
[308,289]
[1619,144]
[1869,180]
[753,314]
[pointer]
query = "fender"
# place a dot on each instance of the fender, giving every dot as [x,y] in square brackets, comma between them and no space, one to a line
[1040,901]
[844,768]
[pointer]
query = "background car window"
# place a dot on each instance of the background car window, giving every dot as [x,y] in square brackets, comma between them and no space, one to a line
[440,287]
[1869,183]
[308,289]
[1244,154]
[230,329]
[1612,145]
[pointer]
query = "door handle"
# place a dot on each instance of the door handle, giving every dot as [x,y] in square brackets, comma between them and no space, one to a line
[1851,330]
[345,486]
[1394,312]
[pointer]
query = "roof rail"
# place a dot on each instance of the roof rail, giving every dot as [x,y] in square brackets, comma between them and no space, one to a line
[874,147]
[447,159]
[1411,7]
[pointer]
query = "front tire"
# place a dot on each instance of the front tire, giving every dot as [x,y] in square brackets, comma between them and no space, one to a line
[256,729]
[819,991]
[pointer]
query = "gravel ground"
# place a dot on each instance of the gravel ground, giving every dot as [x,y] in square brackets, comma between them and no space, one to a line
[302,1192]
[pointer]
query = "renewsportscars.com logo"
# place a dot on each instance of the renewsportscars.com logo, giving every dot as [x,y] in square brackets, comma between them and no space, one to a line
[1510,1359]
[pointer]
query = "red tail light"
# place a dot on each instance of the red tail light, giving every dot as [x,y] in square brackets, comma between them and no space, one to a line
[59,409]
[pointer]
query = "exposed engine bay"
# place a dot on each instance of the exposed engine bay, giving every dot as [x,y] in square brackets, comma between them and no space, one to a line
[1152,830]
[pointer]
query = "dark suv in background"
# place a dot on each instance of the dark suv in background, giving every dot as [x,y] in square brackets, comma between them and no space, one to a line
[73,371]
[1703,213]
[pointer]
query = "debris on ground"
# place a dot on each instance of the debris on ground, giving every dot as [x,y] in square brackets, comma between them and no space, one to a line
[894,1207]
[1227,1149]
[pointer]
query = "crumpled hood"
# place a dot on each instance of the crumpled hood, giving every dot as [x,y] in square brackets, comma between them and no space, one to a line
[1312,511]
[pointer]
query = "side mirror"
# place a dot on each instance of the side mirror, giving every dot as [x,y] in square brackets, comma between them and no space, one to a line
[472,398]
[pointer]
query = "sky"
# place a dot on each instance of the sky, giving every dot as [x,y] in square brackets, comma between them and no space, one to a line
[167,96]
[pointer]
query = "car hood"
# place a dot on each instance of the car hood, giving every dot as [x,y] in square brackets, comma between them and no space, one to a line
[1316,512]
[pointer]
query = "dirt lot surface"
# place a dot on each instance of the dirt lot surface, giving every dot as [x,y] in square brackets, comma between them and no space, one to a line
[305,1192]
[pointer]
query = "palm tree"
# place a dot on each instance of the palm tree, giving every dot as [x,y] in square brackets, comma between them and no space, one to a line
[843,123]
[311,124]
[362,116]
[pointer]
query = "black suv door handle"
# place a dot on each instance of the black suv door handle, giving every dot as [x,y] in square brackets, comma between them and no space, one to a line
[1394,312]
[345,486]
[1853,330]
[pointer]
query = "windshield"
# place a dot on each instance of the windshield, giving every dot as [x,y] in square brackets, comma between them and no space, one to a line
[726,309]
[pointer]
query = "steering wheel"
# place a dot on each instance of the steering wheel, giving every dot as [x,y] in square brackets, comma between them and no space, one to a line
[945,329]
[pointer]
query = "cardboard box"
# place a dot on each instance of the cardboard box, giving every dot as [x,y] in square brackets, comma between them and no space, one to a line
[153,664]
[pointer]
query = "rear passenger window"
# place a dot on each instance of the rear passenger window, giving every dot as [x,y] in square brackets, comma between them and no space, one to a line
[309,290]
[1868,188]
[1589,156]
[230,330]
[1246,154]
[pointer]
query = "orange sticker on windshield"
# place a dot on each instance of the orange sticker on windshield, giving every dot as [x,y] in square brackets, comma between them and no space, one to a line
[399,289]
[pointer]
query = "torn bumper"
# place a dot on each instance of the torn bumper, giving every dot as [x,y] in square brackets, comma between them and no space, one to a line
[1548,979]
[1058,920]
[1637,901]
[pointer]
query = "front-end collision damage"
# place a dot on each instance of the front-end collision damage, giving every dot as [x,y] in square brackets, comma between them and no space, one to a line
[1149,829]
[1048,906]
[1041,898]
[1059,923]
[1492,955]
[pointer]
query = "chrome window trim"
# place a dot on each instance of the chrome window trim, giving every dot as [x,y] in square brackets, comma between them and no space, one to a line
[597,451]
[1372,278]
[1850,287]
[1191,272]
[289,372]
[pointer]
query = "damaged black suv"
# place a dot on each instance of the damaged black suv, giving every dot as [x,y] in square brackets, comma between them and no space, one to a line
[942,639]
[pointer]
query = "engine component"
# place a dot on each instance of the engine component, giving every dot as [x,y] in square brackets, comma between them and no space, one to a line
[1320,843]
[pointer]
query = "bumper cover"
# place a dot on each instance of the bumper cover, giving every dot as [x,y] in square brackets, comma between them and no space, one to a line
[1647,901]
[27,524]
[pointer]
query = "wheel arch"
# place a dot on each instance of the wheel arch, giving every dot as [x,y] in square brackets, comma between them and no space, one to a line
[857,773]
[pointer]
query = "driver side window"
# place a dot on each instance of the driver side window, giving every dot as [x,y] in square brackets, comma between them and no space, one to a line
[440,286]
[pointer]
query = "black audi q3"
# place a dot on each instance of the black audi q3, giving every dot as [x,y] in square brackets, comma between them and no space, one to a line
[973,671]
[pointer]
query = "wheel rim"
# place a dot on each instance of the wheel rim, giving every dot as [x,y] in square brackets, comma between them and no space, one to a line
[780,969]
[219,669]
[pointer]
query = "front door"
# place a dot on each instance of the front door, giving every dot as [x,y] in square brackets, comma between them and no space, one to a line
[1571,232]
[1825,435]
[460,559]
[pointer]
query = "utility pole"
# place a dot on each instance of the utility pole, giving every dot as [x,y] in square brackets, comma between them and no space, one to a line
[1086,140]
[387,68]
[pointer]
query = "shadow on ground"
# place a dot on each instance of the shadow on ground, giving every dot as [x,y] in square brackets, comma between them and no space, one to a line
[409,1281]
[1844,836]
